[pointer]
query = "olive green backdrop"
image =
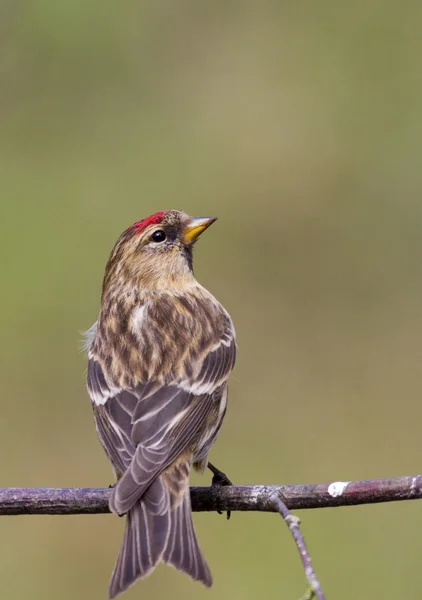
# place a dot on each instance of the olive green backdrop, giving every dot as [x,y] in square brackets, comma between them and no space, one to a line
[298,124]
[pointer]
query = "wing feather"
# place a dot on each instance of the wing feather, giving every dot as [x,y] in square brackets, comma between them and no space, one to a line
[113,433]
[152,458]
[143,438]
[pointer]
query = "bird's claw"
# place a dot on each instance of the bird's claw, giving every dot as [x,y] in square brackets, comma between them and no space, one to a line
[220,479]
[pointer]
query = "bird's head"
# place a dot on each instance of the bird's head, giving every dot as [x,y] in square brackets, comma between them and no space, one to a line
[156,253]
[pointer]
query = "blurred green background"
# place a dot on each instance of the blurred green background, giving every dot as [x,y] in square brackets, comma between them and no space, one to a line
[300,126]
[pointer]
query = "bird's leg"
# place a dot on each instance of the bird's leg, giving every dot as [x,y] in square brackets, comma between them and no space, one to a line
[219,479]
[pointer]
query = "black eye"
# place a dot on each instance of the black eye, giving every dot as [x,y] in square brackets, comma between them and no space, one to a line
[158,236]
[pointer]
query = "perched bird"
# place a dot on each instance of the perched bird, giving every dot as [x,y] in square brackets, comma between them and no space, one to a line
[159,357]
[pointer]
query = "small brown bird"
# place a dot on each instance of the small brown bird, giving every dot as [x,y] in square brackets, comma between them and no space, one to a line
[160,356]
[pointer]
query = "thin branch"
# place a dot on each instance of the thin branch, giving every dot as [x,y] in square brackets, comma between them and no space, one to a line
[72,501]
[293,523]
[264,498]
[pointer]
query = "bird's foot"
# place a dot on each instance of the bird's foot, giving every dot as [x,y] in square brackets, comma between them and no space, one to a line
[219,479]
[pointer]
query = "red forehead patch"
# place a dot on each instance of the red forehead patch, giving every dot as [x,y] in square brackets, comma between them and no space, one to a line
[152,220]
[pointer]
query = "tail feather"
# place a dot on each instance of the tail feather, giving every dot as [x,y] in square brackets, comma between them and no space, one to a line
[143,545]
[182,549]
[155,531]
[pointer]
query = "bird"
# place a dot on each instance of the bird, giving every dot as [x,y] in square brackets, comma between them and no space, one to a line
[159,359]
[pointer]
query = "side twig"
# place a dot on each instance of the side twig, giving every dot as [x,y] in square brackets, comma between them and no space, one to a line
[293,523]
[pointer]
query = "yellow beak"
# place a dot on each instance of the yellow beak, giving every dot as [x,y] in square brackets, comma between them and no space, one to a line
[195,227]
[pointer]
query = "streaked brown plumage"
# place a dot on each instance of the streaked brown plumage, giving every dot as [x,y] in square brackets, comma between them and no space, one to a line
[159,359]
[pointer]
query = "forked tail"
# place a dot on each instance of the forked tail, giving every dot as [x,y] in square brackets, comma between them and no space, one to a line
[157,531]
